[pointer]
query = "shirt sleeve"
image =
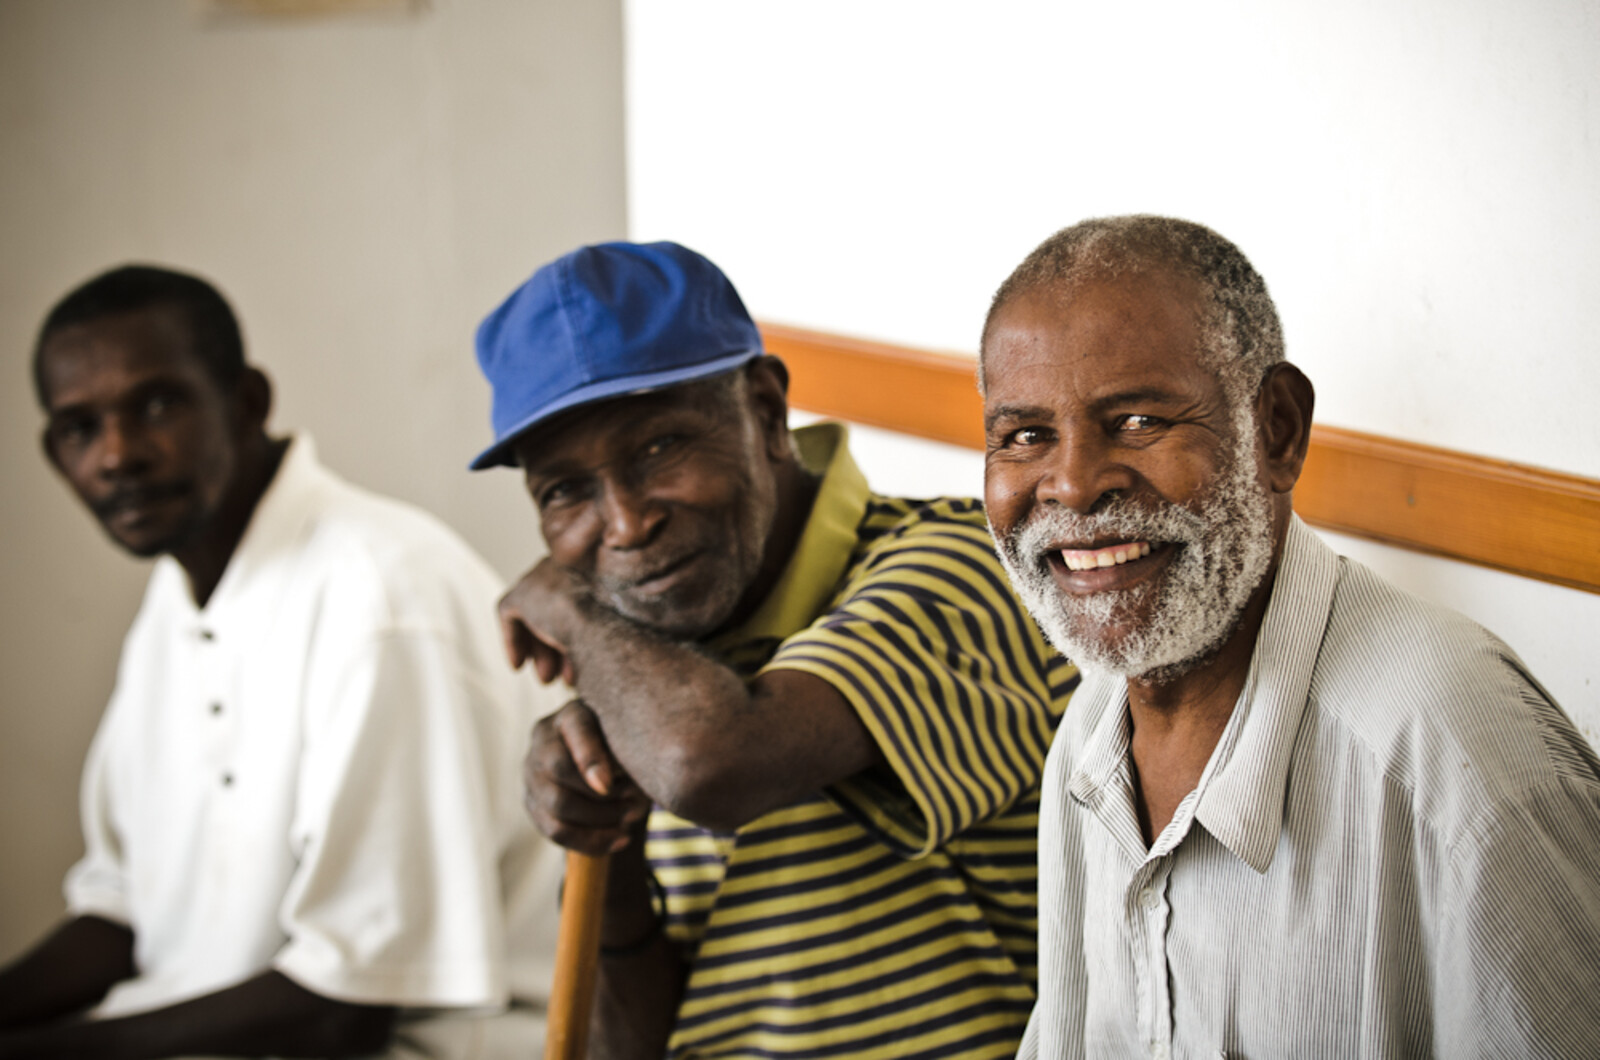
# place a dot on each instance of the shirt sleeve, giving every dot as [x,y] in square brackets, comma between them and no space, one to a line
[396,896]
[950,676]
[1517,968]
[97,884]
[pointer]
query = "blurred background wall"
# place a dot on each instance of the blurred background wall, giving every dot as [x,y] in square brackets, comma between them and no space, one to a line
[364,189]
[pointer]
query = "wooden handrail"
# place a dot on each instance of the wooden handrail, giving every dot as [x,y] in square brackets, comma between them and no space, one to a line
[1532,522]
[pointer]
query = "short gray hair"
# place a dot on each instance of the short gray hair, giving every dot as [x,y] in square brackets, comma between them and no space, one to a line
[1240,336]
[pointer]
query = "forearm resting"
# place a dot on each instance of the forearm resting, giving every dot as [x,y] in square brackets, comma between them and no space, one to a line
[700,741]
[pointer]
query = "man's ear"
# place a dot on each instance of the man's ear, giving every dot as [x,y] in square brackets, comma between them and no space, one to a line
[767,388]
[1283,414]
[252,397]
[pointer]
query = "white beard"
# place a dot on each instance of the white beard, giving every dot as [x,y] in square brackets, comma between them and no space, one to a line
[1224,550]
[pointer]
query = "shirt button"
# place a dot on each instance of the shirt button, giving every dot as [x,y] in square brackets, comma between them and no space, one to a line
[227,780]
[206,634]
[216,708]
[1149,899]
[1159,1051]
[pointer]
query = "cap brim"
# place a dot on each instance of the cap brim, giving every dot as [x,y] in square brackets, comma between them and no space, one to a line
[499,454]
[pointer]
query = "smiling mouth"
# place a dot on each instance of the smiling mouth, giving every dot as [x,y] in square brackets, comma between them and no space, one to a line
[1107,556]
[663,574]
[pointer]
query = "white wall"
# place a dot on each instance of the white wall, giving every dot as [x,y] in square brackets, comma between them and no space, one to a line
[364,190]
[1418,180]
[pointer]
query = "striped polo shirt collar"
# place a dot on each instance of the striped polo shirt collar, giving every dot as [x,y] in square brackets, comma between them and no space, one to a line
[1242,804]
[823,553]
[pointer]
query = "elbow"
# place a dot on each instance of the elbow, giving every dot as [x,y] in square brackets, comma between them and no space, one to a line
[702,785]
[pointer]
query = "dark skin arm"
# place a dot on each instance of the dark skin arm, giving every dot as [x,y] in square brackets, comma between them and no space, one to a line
[75,967]
[658,720]
[692,734]
[71,969]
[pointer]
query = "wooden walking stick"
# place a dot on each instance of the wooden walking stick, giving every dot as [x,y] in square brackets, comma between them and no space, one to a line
[583,897]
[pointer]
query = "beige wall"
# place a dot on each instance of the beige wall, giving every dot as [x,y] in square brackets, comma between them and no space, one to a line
[363,191]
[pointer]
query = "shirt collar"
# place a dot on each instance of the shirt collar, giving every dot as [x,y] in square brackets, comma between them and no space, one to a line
[276,524]
[1241,791]
[1242,804]
[826,544]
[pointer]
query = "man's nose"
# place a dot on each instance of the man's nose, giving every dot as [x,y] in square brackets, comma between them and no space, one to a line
[1082,473]
[124,446]
[631,516]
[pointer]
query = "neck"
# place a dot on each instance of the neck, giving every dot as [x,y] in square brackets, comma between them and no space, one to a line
[797,489]
[1177,723]
[207,557]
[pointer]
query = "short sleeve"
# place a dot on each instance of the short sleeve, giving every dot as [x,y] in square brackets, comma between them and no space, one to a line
[97,884]
[396,897]
[948,673]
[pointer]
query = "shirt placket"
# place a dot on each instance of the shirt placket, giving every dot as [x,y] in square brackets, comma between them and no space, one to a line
[216,713]
[1147,912]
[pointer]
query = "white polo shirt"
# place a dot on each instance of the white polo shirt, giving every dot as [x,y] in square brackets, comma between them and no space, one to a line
[318,772]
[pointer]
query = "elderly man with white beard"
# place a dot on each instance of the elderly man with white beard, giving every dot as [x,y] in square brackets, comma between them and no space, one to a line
[1294,811]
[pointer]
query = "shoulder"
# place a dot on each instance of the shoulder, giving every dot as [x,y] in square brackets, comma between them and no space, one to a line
[1444,707]
[402,561]
[942,545]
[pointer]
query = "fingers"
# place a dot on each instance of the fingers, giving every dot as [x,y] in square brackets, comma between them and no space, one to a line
[586,744]
[526,618]
[521,644]
[575,792]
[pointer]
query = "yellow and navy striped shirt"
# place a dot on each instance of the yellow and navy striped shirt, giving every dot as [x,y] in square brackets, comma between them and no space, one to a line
[895,914]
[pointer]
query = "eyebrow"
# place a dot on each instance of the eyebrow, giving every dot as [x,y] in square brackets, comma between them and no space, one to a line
[1144,395]
[1016,412]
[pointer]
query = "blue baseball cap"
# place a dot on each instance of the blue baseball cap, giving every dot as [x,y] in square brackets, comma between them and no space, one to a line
[603,321]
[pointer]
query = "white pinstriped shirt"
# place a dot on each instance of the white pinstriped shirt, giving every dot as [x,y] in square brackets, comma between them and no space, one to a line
[1393,851]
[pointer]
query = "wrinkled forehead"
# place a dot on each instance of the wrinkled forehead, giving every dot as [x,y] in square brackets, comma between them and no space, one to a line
[616,422]
[1125,302]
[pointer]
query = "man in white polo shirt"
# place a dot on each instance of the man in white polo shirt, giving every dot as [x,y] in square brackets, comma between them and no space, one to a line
[301,811]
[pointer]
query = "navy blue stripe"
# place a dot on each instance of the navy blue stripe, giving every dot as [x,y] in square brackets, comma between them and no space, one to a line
[910,666]
[793,946]
[944,927]
[997,778]
[949,1018]
[746,868]
[897,974]
[1004,722]
[865,873]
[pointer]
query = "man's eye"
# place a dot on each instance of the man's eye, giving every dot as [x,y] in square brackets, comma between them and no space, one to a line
[1137,422]
[660,444]
[557,493]
[1023,437]
[74,430]
[161,402]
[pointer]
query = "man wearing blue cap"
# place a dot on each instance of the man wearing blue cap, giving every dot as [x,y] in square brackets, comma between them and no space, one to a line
[810,720]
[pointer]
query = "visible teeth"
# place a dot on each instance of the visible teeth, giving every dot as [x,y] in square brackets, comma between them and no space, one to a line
[1076,559]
